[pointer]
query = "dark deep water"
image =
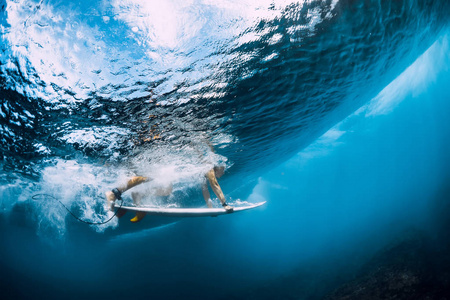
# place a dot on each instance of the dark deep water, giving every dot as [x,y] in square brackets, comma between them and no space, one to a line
[334,112]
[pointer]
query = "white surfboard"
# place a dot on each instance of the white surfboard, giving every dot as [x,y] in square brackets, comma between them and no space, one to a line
[188,212]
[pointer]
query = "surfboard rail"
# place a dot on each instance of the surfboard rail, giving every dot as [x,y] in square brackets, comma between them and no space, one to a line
[187,212]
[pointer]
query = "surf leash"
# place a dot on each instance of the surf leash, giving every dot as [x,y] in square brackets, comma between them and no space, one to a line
[48,196]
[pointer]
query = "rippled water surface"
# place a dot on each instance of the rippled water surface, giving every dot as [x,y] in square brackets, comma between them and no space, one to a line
[106,79]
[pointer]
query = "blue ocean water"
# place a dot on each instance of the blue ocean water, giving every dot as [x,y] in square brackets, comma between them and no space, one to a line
[334,112]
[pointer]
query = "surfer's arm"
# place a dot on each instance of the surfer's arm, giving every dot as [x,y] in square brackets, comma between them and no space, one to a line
[215,186]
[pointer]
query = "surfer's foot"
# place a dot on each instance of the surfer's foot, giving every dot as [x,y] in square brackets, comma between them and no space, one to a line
[110,199]
[120,213]
[139,216]
[227,207]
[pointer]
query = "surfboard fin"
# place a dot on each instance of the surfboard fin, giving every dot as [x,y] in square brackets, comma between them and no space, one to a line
[139,216]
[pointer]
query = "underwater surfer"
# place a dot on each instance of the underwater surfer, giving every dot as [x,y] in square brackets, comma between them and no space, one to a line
[211,177]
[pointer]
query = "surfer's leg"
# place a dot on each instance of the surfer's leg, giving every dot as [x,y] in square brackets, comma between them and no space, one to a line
[120,213]
[136,196]
[134,181]
[164,190]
